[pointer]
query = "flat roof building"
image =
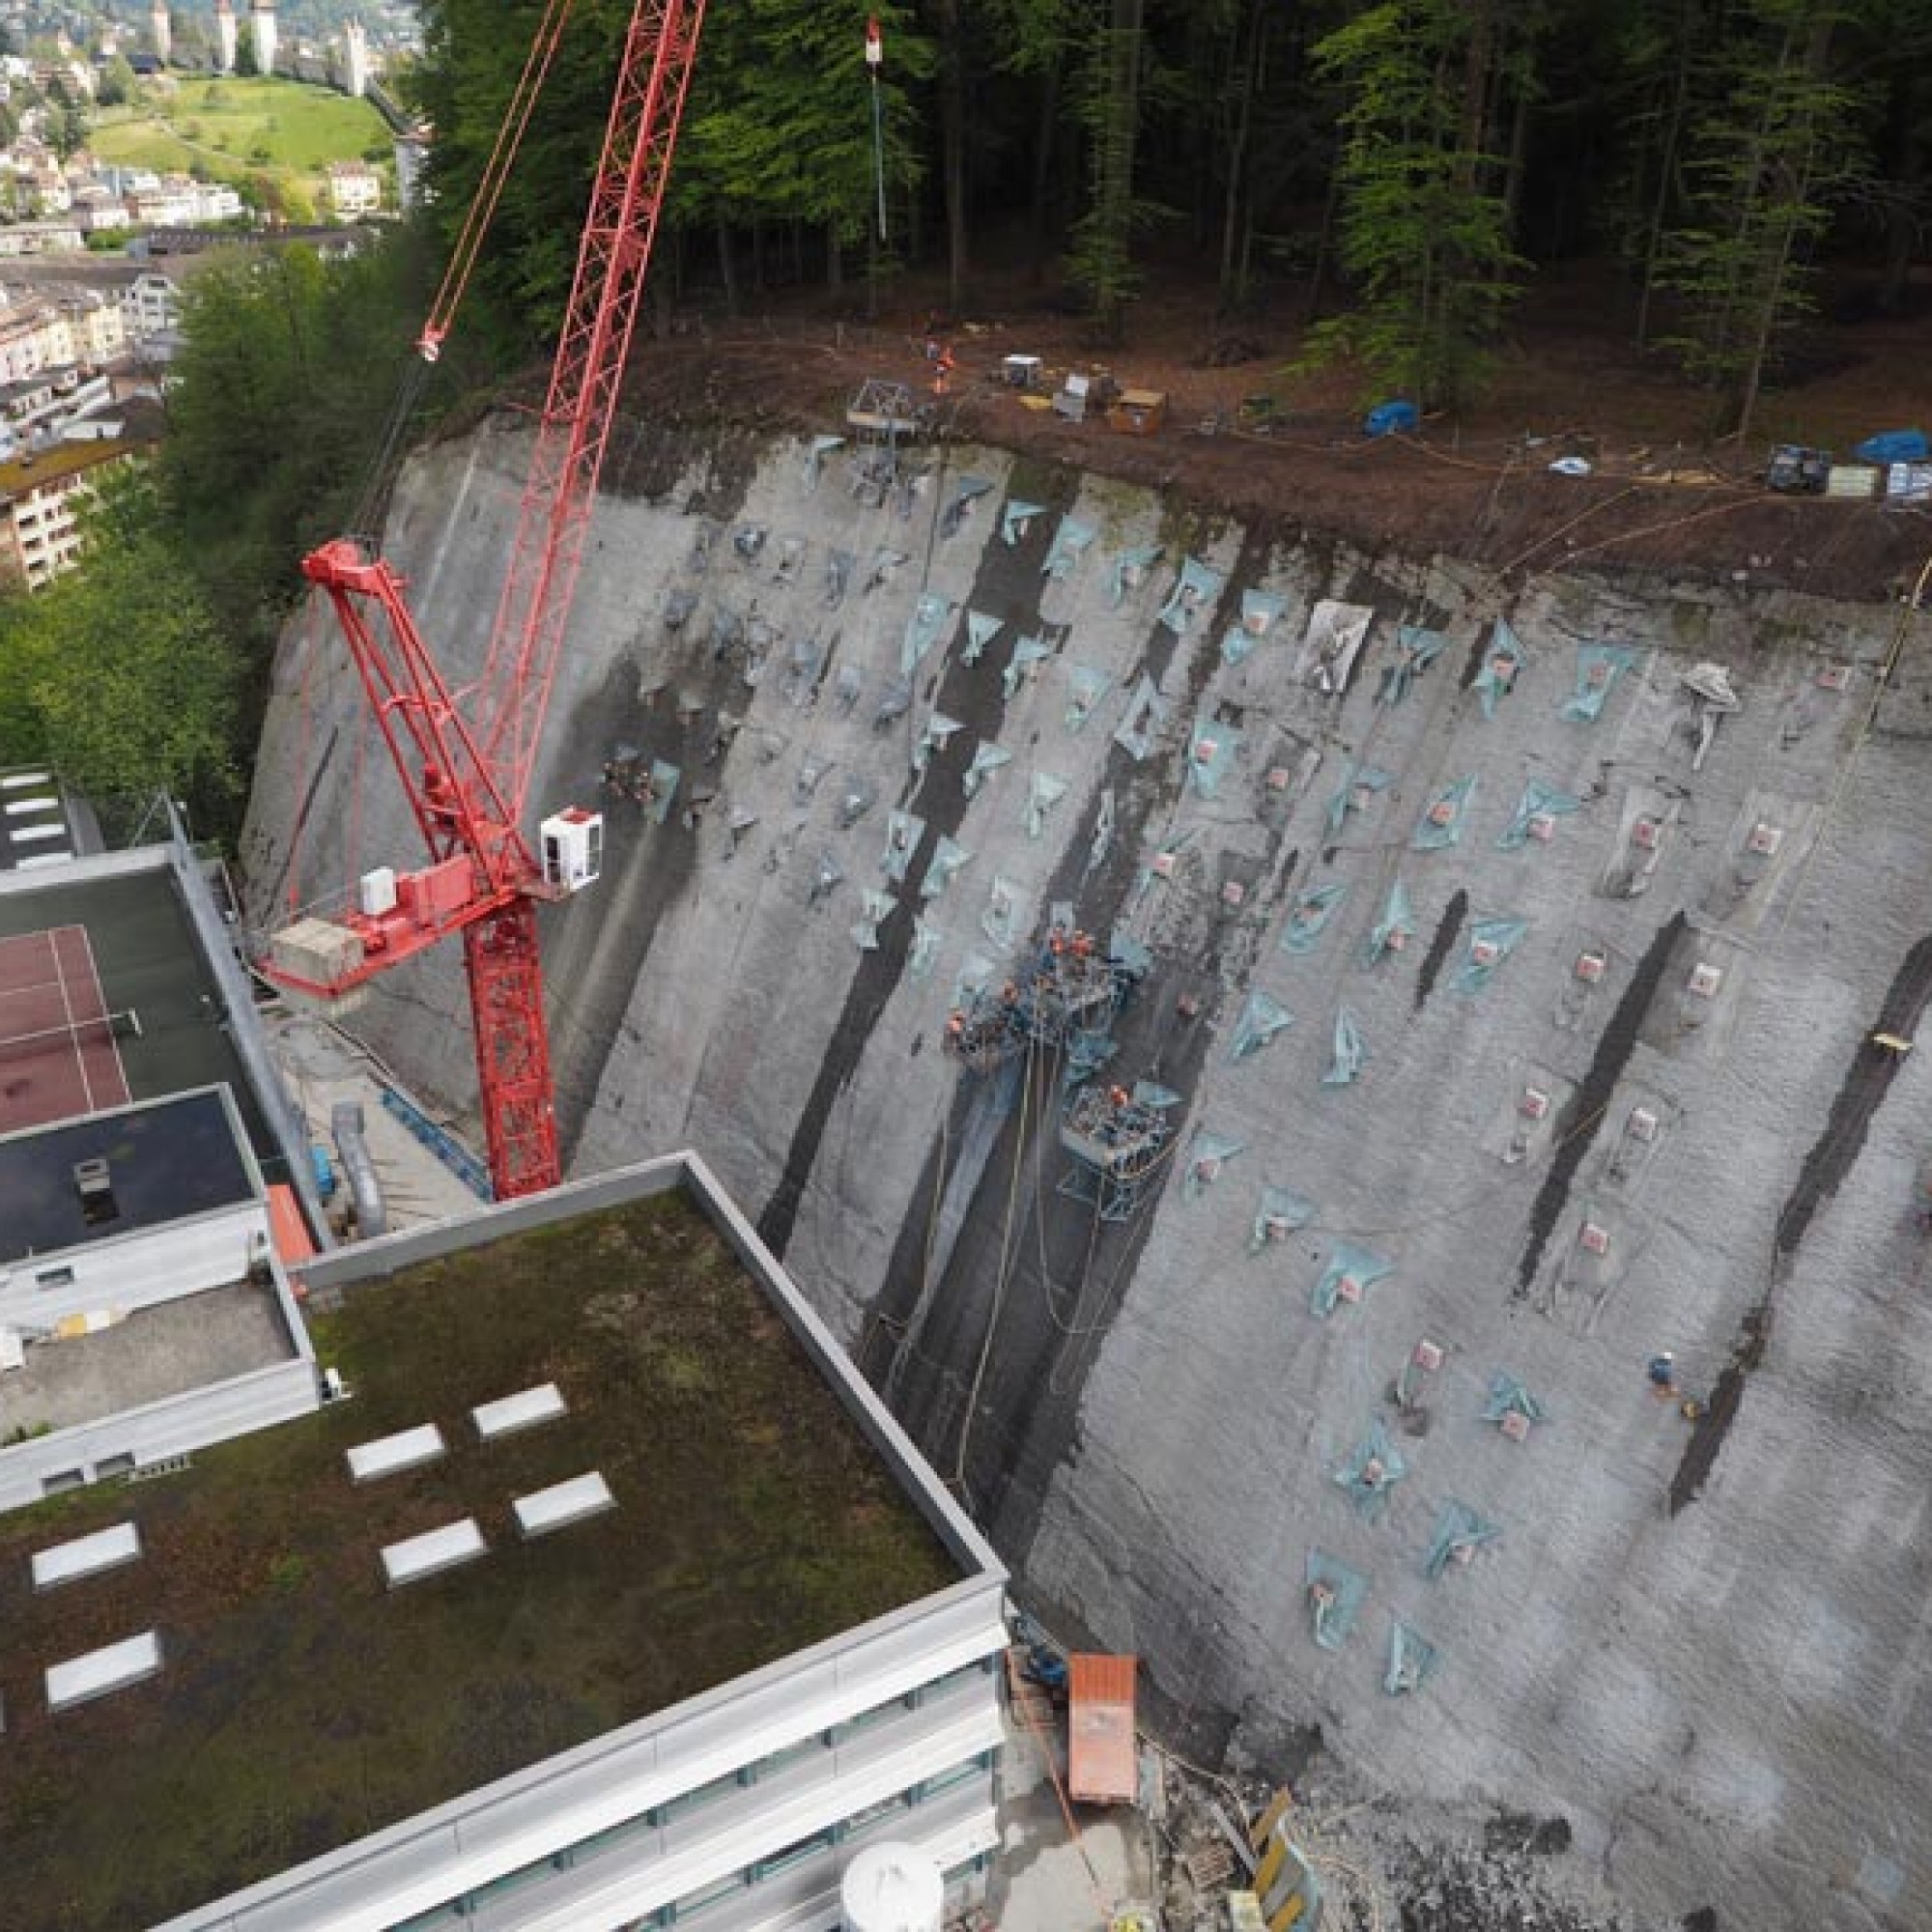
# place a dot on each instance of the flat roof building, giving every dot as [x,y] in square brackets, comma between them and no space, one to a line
[607,1597]
[143,1314]
[550,1570]
[140,933]
[144,1137]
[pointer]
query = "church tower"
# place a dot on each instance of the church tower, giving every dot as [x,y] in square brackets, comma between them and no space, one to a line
[355,59]
[161,31]
[262,18]
[224,35]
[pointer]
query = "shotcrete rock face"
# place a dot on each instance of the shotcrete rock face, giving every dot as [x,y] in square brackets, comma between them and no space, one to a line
[1175,731]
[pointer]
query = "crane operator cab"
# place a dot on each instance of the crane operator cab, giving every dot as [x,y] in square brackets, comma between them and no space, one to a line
[573,848]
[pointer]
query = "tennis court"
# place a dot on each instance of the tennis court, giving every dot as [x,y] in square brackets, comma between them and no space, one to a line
[60,1055]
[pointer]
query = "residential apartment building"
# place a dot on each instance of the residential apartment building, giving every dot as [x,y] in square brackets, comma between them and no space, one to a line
[41,497]
[35,335]
[355,188]
[95,323]
[179,201]
[61,236]
[150,306]
[49,398]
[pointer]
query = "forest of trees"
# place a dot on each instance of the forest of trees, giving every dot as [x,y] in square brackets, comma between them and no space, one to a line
[148,666]
[1396,171]
[1385,181]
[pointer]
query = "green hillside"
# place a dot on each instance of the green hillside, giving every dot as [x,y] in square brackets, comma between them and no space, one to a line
[237,130]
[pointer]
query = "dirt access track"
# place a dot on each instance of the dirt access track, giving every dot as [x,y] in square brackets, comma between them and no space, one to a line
[1479,489]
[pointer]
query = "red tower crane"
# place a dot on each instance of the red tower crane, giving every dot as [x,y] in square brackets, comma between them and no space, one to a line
[466,757]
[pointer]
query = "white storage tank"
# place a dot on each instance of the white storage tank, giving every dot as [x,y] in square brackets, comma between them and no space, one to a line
[893,1887]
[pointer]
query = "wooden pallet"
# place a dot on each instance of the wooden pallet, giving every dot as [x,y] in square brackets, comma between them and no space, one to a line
[1210,1865]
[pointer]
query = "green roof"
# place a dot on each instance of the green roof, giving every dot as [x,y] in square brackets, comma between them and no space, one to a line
[24,473]
[301,1705]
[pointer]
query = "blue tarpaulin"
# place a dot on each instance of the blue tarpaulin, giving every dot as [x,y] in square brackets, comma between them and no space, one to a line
[1370,1471]
[1130,568]
[1282,1211]
[1491,941]
[1309,916]
[1000,922]
[1350,1050]
[946,858]
[1335,1594]
[1147,713]
[988,758]
[1043,793]
[1459,1532]
[1894,445]
[1069,545]
[1442,821]
[1195,589]
[1598,668]
[664,788]
[1538,800]
[874,907]
[1351,1271]
[925,944]
[1359,784]
[1085,688]
[1210,754]
[1027,652]
[938,728]
[903,832]
[1501,664]
[1395,928]
[929,616]
[1260,609]
[980,630]
[1411,1660]
[1261,1018]
[1415,650]
[1087,1051]
[1016,518]
[1509,1397]
[1390,418]
[1208,1153]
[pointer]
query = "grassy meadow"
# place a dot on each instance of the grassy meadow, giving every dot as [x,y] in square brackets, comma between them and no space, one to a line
[236,129]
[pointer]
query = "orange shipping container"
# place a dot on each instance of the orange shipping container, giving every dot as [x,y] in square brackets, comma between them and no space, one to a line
[293,1241]
[1102,1766]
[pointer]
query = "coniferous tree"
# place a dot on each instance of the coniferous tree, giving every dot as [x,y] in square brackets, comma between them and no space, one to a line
[1036,42]
[1425,229]
[1890,56]
[779,126]
[1769,173]
[1101,262]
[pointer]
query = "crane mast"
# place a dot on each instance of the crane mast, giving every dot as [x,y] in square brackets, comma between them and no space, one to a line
[466,761]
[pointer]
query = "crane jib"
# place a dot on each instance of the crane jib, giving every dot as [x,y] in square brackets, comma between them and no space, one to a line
[466,778]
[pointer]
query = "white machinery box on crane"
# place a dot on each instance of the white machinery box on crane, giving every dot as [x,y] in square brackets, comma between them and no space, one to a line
[573,848]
